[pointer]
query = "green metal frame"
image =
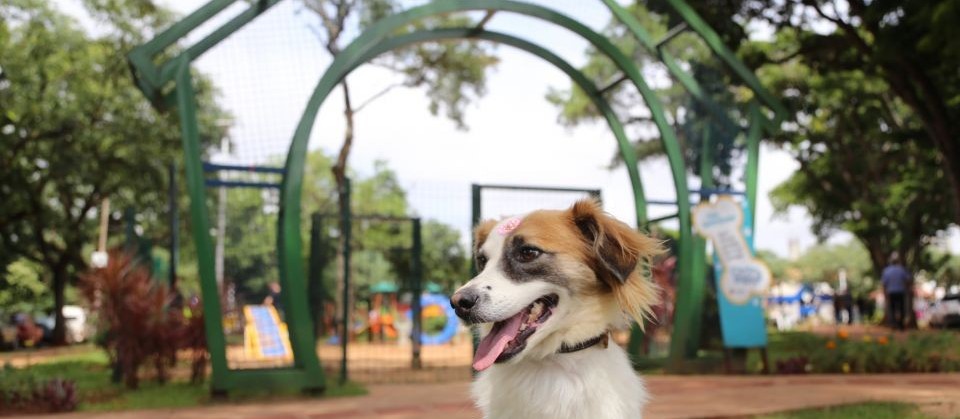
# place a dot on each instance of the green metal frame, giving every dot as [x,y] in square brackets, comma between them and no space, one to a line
[686,332]
[155,81]
[414,285]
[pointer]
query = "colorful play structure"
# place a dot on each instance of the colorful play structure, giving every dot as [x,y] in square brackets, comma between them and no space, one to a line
[387,320]
[265,336]
[162,69]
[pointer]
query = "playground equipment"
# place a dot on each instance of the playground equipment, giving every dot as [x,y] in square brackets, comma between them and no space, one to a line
[170,83]
[435,306]
[265,336]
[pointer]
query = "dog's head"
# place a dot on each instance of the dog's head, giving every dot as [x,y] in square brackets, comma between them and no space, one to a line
[552,278]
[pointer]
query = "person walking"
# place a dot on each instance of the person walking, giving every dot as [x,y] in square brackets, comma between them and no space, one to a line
[897,281]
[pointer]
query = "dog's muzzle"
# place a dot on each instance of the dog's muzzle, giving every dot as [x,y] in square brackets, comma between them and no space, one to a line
[464,302]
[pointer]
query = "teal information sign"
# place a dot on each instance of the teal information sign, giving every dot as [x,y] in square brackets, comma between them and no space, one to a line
[741,279]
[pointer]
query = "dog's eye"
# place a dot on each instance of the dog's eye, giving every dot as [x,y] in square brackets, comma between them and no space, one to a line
[528,254]
[481,262]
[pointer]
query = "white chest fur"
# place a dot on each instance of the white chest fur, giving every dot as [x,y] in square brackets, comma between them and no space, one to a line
[595,383]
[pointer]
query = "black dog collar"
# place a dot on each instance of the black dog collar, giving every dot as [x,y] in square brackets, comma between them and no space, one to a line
[600,339]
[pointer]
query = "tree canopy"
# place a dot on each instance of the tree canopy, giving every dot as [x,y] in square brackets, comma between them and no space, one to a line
[74,130]
[381,249]
[688,116]
[871,88]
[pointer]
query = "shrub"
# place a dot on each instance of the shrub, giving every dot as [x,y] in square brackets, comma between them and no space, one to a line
[28,395]
[139,321]
[915,352]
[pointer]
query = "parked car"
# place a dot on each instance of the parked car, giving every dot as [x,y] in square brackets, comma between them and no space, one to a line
[77,330]
[946,312]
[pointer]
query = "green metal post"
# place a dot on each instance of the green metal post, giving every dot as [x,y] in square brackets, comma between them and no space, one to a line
[174,224]
[753,160]
[475,202]
[476,193]
[346,229]
[190,133]
[673,67]
[720,49]
[699,260]
[315,285]
[417,274]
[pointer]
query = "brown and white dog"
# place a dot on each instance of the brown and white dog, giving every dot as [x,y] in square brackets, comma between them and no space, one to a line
[551,287]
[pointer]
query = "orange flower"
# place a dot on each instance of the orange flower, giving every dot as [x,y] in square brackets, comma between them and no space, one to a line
[831,345]
[843,334]
[883,340]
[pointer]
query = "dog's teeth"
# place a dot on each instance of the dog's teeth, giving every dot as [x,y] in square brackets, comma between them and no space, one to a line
[536,310]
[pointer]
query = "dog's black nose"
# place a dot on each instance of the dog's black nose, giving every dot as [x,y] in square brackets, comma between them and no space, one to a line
[464,299]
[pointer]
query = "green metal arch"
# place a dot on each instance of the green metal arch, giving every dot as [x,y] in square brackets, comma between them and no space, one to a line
[357,53]
[153,80]
[331,80]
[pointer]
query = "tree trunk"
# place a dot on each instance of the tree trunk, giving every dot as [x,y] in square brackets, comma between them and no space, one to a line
[951,163]
[59,286]
[340,175]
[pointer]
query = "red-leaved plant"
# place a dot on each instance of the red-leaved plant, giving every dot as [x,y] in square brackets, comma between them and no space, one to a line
[138,318]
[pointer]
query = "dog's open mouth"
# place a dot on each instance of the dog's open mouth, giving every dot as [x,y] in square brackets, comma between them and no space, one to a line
[509,336]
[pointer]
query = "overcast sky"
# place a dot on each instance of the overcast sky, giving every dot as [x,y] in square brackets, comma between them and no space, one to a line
[266,72]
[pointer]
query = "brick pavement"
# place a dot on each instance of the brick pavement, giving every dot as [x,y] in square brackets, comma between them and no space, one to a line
[673,397]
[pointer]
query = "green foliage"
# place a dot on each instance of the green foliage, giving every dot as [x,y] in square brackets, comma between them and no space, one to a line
[944,268]
[844,353]
[861,169]
[871,88]
[777,265]
[824,262]
[871,410]
[451,73]
[250,258]
[381,249]
[74,130]
[690,118]
[445,260]
[91,373]
[22,289]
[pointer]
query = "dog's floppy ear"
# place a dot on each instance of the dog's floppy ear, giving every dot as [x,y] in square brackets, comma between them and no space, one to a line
[481,232]
[618,251]
[618,248]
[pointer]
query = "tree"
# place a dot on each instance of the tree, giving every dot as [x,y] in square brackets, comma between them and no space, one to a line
[381,248]
[448,71]
[688,116]
[446,262]
[865,165]
[912,47]
[822,263]
[21,288]
[74,130]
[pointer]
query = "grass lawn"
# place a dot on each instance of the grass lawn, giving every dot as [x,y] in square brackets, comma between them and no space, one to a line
[872,410]
[91,373]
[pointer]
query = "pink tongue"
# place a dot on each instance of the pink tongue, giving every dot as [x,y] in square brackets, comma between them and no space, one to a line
[495,342]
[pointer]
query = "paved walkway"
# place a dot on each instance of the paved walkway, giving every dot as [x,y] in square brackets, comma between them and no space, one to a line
[673,397]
